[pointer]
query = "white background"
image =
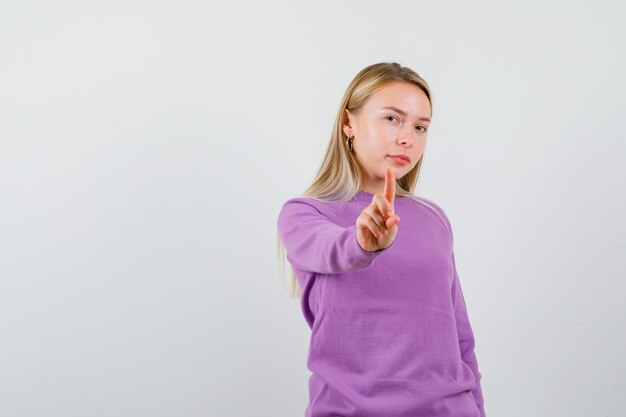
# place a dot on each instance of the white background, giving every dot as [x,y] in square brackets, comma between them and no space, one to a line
[146,148]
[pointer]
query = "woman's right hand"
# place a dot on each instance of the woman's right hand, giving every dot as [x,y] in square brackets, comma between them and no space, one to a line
[376,226]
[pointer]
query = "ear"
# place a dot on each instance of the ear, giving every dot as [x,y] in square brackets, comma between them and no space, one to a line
[346,123]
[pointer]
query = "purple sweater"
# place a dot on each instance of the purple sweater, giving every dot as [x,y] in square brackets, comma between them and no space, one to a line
[390,333]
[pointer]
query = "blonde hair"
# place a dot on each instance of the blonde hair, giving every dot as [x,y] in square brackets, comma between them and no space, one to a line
[339,177]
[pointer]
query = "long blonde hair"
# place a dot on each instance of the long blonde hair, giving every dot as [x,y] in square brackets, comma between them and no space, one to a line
[339,177]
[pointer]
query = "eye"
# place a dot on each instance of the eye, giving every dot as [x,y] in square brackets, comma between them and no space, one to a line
[393,117]
[423,128]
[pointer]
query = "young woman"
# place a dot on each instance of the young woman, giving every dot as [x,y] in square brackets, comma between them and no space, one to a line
[374,265]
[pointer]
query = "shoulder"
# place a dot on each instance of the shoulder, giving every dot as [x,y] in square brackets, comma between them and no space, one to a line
[305,204]
[436,210]
[301,207]
[314,210]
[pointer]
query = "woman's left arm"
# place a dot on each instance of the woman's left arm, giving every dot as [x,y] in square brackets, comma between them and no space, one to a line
[466,336]
[464,328]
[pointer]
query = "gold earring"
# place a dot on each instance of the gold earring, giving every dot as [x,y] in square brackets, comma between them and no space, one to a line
[349,143]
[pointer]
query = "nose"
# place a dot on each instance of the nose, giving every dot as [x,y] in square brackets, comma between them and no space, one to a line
[407,139]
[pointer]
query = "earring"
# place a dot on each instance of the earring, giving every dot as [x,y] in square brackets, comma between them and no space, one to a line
[349,143]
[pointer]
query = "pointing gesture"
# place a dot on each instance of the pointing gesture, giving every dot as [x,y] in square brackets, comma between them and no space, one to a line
[377,224]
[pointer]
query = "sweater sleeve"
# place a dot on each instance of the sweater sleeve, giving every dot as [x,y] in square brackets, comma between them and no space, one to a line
[464,328]
[466,337]
[315,243]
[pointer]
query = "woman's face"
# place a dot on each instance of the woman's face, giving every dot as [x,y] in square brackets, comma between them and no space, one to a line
[393,121]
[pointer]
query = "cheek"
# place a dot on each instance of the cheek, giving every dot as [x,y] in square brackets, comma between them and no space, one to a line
[416,152]
[377,132]
[419,146]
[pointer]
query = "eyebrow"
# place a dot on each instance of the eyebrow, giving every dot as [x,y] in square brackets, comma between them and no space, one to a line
[403,112]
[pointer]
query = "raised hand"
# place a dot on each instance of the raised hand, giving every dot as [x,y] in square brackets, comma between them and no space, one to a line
[376,226]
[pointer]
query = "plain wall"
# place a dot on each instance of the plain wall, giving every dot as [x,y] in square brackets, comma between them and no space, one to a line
[146,148]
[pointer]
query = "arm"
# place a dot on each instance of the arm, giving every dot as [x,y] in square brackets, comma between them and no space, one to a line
[316,244]
[464,328]
[466,337]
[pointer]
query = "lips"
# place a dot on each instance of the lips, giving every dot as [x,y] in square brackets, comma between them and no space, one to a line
[404,157]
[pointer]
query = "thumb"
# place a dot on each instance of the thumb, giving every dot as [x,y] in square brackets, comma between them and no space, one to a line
[392,220]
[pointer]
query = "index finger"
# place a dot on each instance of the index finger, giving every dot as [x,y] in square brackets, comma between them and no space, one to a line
[390,186]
